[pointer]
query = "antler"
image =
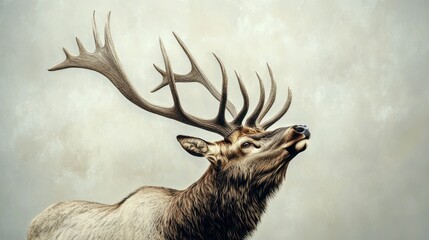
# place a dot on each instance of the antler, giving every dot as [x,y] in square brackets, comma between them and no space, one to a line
[105,61]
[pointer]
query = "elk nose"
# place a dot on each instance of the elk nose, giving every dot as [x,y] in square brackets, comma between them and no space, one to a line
[303,129]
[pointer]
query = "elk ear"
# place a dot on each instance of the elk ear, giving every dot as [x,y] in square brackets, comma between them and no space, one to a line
[195,146]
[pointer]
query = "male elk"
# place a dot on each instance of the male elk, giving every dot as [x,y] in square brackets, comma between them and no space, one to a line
[246,168]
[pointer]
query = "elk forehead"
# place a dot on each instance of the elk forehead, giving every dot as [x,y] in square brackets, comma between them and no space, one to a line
[244,131]
[226,149]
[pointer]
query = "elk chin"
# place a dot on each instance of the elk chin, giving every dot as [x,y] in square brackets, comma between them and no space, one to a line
[301,145]
[294,148]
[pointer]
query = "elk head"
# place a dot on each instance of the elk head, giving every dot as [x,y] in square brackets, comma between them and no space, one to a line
[248,152]
[251,155]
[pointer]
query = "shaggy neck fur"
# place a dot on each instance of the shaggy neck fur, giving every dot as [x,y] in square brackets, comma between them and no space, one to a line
[216,208]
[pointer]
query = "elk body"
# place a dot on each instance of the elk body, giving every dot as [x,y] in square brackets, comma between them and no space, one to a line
[246,167]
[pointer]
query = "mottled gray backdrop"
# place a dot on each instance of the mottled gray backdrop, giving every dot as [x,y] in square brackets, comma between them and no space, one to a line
[358,71]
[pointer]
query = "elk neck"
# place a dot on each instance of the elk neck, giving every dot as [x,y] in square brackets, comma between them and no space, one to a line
[213,208]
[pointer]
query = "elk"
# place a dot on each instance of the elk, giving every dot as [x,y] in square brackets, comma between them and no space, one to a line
[227,202]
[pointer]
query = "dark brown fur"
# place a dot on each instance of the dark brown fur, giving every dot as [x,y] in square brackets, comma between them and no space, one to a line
[216,207]
[227,202]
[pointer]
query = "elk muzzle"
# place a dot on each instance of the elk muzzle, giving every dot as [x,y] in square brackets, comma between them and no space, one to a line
[297,138]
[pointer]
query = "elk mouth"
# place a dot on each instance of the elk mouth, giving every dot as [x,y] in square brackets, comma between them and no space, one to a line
[296,147]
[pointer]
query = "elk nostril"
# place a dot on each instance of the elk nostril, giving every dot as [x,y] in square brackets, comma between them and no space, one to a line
[300,128]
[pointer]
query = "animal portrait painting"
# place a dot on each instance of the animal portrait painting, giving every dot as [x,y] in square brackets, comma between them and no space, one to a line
[226,119]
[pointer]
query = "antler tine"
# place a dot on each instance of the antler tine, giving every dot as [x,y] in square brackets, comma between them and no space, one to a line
[239,118]
[194,75]
[271,97]
[251,120]
[108,42]
[281,113]
[177,106]
[97,40]
[224,98]
[80,46]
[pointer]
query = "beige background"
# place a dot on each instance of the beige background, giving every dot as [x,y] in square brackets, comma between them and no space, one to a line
[358,71]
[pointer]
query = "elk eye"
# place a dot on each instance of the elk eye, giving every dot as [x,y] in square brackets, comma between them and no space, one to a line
[246,145]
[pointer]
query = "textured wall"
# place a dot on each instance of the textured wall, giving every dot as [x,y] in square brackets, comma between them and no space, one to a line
[358,71]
